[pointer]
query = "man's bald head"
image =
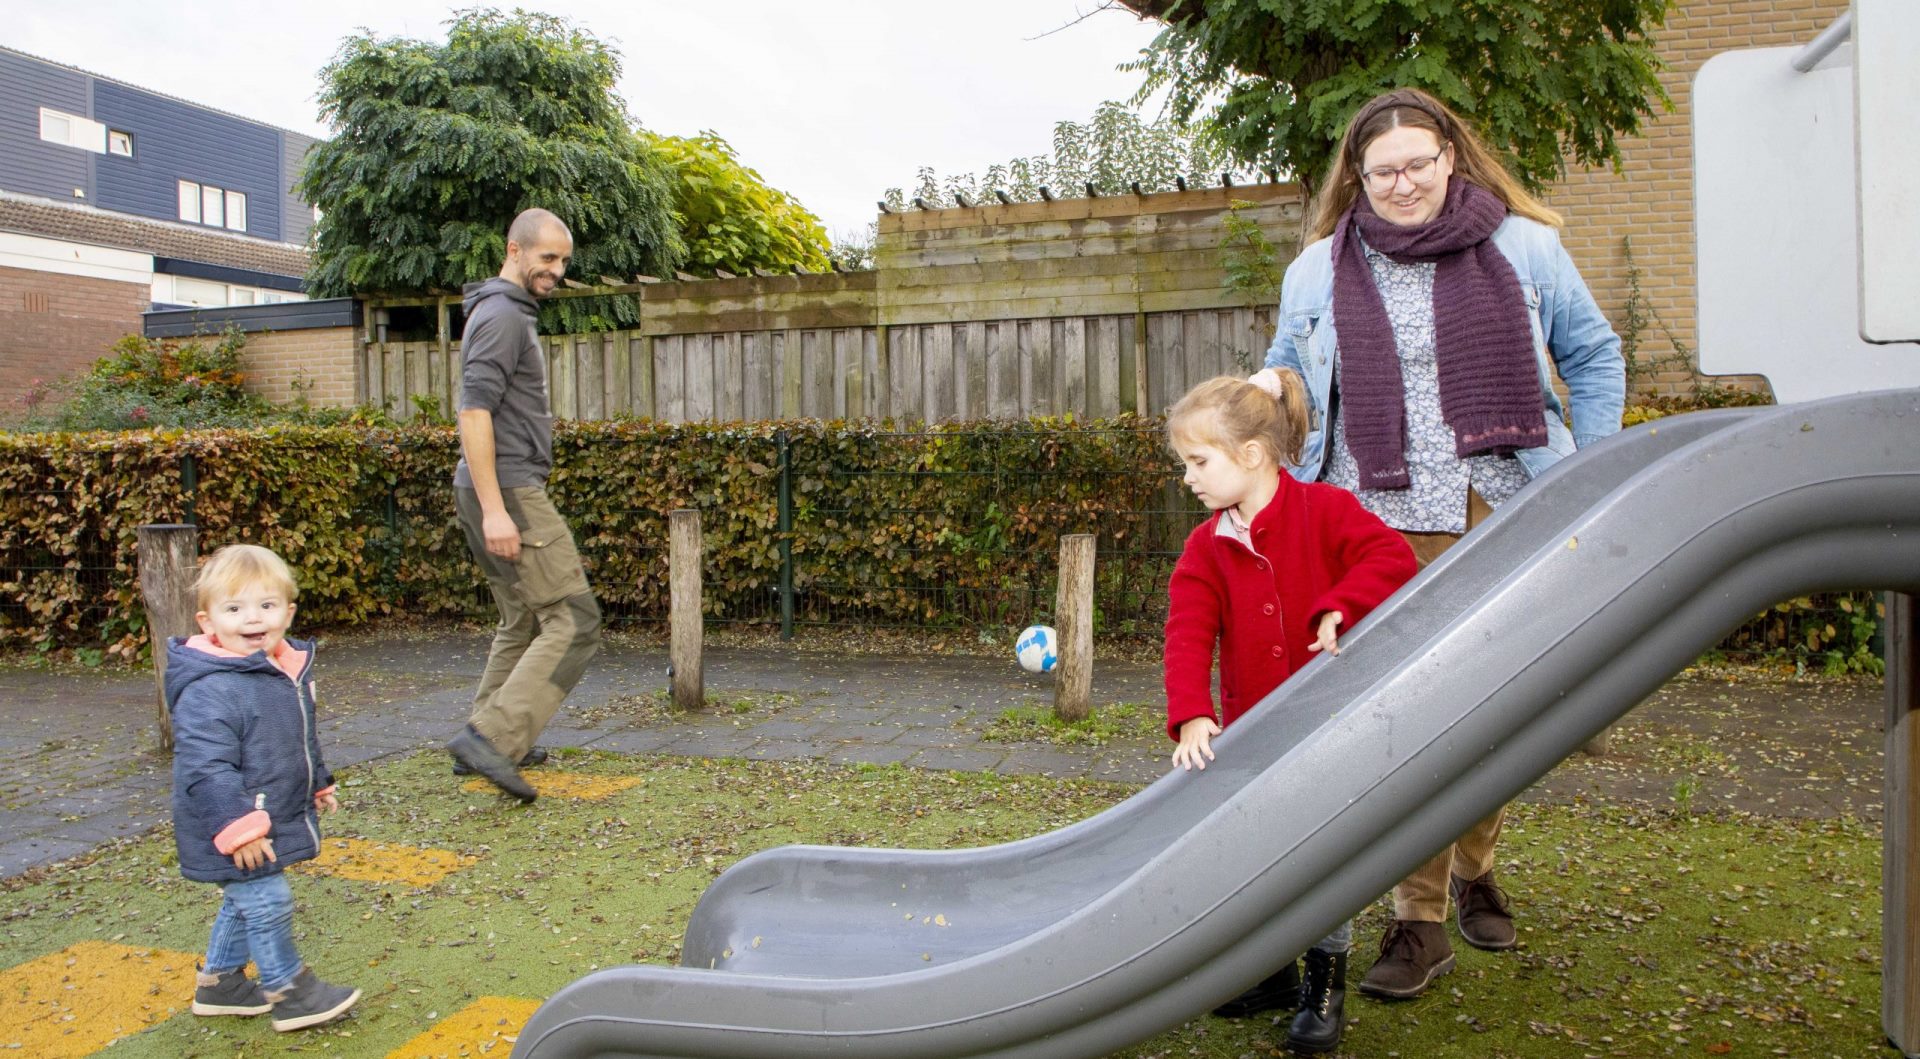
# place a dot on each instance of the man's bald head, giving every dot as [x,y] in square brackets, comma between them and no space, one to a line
[539,249]
[527,228]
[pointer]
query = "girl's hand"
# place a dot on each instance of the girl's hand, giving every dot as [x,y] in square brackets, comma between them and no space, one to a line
[1327,640]
[327,803]
[1196,743]
[254,854]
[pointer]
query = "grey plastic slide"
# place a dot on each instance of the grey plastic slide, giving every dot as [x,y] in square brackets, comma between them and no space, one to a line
[1573,603]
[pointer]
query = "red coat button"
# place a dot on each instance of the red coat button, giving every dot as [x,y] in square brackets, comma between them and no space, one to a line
[1278,651]
[1267,609]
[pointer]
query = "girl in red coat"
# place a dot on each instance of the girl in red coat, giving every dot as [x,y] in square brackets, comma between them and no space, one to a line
[1271,579]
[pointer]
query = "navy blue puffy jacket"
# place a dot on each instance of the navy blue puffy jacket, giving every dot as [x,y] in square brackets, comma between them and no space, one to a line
[243,735]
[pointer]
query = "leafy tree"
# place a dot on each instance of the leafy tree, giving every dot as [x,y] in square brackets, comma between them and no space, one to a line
[1112,151]
[438,146]
[1277,80]
[729,217]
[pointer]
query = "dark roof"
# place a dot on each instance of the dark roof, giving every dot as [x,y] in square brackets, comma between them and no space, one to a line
[87,224]
[149,91]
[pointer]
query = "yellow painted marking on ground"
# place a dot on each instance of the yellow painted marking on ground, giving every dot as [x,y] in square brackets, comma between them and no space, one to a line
[488,1026]
[86,996]
[568,784]
[385,862]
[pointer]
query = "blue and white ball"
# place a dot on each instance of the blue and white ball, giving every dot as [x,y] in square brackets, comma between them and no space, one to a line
[1038,649]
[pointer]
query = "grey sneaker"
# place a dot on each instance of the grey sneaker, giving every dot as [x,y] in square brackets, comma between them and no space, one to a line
[536,756]
[308,1001]
[231,993]
[471,749]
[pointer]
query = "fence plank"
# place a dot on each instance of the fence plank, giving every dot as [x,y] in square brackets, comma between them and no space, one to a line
[393,370]
[846,371]
[974,365]
[820,377]
[589,376]
[619,373]
[564,382]
[1041,398]
[1003,370]
[793,363]
[941,386]
[1073,365]
[1103,367]
[669,378]
[908,383]
[1163,352]
[699,392]
[756,353]
[640,350]
[873,393]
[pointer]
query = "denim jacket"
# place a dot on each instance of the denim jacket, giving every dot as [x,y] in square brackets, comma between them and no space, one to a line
[1566,322]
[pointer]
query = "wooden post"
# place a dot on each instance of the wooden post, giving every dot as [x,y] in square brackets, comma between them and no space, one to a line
[685,626]
[1073,613]
[1900,834]
[169,561]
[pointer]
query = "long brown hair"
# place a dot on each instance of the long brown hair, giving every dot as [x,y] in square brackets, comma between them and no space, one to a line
[1410,107]
[1227,411]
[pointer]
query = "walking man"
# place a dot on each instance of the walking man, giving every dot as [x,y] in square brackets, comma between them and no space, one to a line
[549,622]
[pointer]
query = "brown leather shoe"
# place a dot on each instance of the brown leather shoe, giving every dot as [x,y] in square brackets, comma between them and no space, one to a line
[1412,955]
[1480,907]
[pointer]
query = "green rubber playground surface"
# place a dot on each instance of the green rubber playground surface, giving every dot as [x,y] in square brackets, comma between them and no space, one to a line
[1644,933]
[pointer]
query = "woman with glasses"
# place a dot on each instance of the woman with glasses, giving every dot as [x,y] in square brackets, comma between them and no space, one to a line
[1426,318]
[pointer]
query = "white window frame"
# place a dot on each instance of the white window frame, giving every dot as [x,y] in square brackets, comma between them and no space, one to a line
[72,130]
[120,142]
[236,211]
[189,201]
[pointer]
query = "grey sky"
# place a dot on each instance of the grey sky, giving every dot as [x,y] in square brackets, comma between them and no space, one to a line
[831,100]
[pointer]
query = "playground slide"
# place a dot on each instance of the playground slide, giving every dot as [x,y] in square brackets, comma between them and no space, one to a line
[1573,603]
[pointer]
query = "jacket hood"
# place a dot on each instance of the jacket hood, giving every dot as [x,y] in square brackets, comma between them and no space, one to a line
[498,287]
[187,664]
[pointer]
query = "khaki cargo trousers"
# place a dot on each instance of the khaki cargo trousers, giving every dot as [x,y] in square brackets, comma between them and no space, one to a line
[549,622]
[1422,896]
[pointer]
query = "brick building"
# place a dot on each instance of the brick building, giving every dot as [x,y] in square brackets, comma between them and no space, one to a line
[1650,201]
[115,200]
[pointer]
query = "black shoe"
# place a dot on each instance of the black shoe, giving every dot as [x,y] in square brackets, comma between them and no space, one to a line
[1323,1004]
[536,756]
[1279,990]
[471,749]
[310,1002]
[232,993]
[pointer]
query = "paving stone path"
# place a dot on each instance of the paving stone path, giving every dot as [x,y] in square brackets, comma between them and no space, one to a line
[83,766]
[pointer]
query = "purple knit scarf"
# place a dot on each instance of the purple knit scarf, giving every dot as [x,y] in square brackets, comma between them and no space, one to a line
[1483,343]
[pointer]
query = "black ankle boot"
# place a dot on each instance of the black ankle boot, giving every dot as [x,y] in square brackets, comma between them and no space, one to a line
[1323,1003]
[1279,991]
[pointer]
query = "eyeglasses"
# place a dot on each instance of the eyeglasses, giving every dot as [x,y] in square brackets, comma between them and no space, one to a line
[1420,172]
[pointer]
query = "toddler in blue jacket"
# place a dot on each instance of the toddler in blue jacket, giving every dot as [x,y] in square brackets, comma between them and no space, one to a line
[249,785]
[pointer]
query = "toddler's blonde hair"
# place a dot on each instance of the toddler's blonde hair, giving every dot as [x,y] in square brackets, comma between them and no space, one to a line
[238,565]
[1227,411]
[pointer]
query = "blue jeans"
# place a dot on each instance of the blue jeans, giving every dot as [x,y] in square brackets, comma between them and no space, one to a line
[256,922]
[1337,942]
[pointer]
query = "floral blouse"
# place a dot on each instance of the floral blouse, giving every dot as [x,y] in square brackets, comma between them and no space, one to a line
[1435,499]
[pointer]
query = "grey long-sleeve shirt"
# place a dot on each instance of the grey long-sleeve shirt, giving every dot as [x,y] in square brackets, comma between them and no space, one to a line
[504,370]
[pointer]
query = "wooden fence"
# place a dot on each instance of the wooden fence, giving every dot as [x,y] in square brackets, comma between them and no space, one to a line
[1089,306]
[1088,366]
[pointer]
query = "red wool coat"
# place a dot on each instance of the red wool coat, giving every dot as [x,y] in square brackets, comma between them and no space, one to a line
[1315,550]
